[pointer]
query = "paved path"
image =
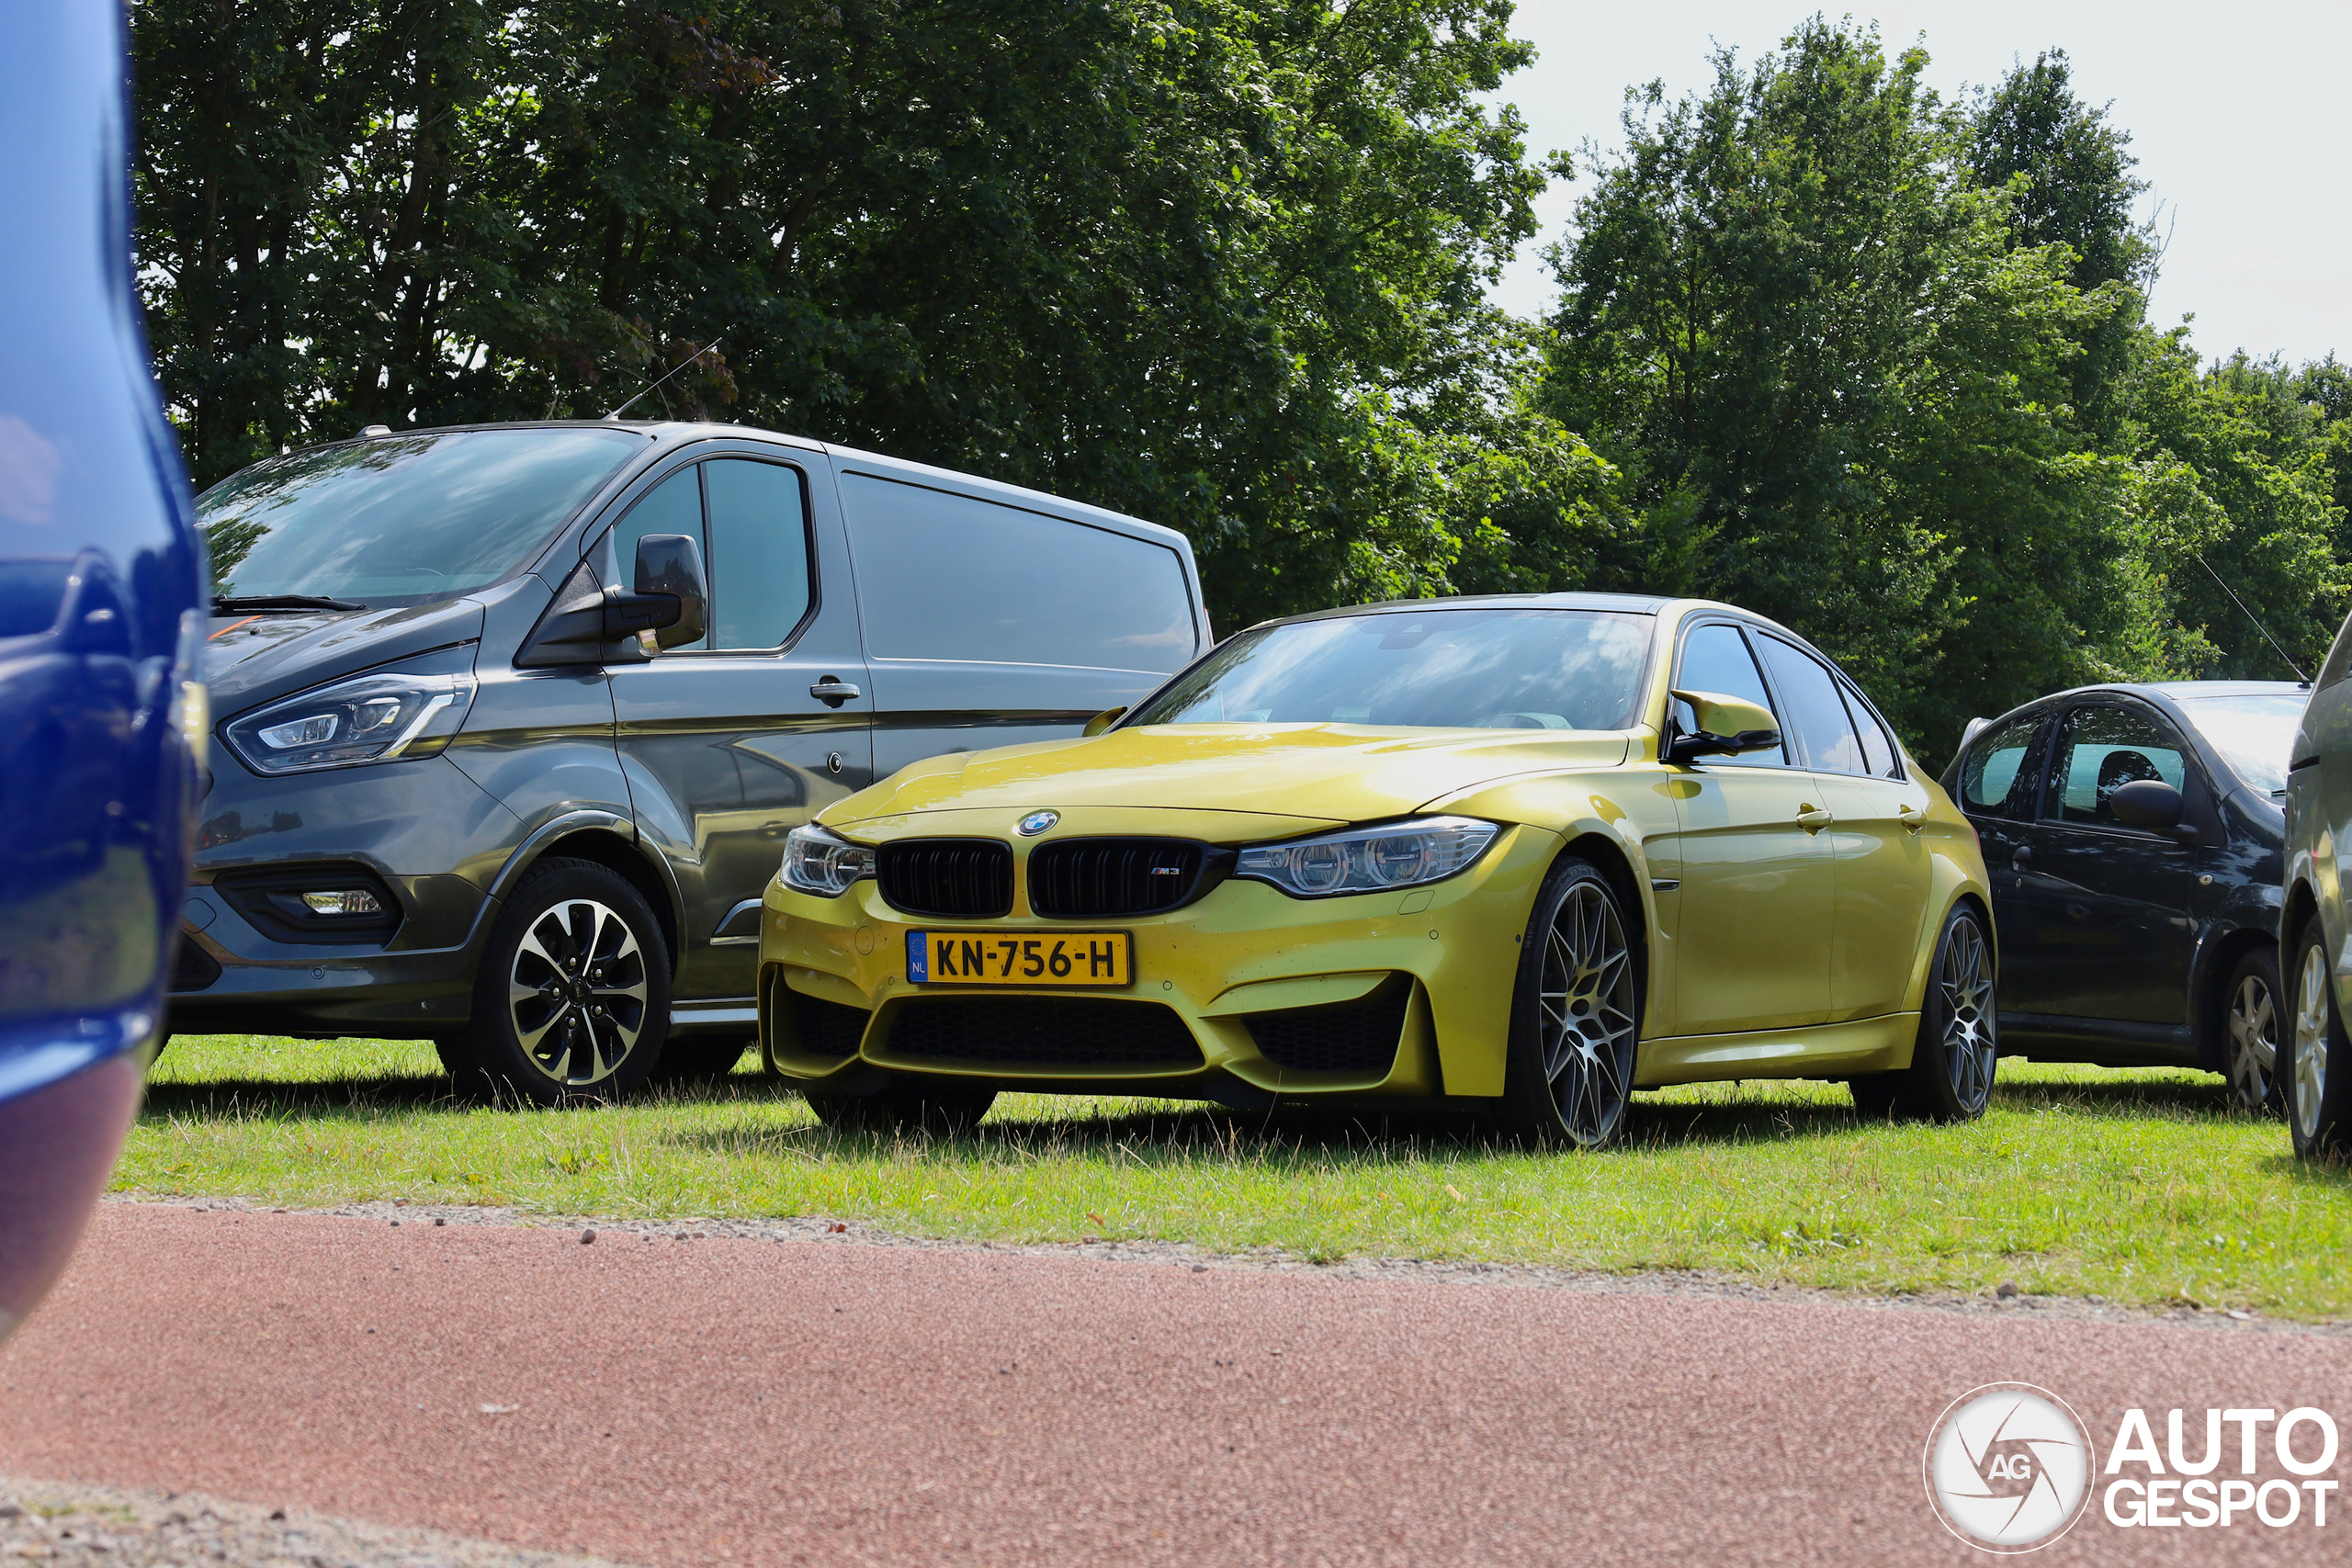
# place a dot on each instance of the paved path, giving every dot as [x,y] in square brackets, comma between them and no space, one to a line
[746,1401]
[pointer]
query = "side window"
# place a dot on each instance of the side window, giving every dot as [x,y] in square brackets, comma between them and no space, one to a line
[1878,746]
[1715,659]
[1815,710]
[952,577]
[758,552]
[2339,659]
[2100,749]
[674,506]
[1995,780]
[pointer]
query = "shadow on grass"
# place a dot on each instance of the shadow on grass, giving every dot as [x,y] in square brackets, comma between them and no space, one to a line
[221,1100]
[2121,1097]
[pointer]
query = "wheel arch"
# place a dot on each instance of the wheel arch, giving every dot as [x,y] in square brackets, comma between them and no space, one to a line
[2210,987]
[1608,857]
[611,841]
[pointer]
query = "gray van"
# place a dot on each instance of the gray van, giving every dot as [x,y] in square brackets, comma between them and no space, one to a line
[512,720]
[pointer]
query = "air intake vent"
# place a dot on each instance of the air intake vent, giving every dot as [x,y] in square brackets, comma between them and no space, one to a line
[1358,1038]
[1043,1031]
[1089,879]
[960,879]
[826,1029]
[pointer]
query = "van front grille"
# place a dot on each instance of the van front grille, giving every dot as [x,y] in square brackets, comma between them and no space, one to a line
[1056,1031]
[1094,878]
[959,879]
[1358,1037]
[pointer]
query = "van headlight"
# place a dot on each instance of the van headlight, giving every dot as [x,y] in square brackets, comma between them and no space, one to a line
[1369,859]
[388,716]
[818,861]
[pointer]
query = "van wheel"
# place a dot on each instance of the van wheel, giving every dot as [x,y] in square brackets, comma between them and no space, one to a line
[934,1108]
[572,999]
[2319,1077]
[2250,1031]
[1576,1016]
[1950,1074]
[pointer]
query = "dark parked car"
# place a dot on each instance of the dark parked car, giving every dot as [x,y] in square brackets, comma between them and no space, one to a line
[2134,837]
[457,797]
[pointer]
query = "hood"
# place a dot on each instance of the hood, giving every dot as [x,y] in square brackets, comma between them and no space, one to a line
[1331,772]
[255,658]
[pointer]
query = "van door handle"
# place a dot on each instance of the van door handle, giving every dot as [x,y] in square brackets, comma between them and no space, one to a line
[1911,818]
[833,691]
[1813,818]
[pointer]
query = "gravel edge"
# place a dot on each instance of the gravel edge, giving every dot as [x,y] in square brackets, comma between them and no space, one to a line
[2003,1300]
[74,1526]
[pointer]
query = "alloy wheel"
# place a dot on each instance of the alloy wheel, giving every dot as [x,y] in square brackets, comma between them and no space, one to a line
[1586,1030]
[2311,1040]
[2253,1041]
[578,992]
[1967,987]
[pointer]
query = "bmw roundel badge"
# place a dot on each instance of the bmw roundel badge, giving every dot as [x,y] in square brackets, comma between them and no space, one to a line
[1038,822]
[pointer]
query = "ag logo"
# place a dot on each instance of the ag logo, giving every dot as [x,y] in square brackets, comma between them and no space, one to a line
[2008,1467]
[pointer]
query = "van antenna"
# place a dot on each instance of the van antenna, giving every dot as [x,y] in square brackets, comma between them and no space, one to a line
[2249,615]
[689,359]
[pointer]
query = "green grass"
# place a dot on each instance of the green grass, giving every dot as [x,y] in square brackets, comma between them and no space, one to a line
[2142,1187]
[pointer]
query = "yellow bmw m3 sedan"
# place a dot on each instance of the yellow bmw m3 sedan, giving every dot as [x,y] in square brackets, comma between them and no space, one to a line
[1516,856]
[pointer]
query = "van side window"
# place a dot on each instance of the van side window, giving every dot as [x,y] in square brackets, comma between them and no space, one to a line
[1715,659]
[952,577]
[674,506]
[757,553]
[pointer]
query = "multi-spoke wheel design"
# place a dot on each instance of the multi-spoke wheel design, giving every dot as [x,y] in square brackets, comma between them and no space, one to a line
[2251,1029]
[577,991]
[1964,980]
[1587,999]
[2311,1030]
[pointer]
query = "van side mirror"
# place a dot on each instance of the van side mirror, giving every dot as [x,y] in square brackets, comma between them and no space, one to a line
[2151,804]
[588,623]
[669,565]
[1727,726]
[1102,721]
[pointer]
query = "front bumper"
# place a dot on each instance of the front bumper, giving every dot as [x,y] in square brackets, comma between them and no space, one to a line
[1278,995]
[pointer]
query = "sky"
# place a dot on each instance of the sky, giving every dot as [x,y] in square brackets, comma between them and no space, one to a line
[2235,113]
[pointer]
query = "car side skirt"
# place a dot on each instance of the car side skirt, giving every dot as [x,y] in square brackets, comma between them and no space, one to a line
[1880,1044]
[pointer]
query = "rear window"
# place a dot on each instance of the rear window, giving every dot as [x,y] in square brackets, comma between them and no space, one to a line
[952,577]
[1995,780]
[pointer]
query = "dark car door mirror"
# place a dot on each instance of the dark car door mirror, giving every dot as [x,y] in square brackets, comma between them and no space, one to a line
[2151,804]
[669,565]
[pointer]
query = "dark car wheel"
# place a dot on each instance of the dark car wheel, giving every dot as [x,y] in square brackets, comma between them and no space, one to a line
[936,1107]
[1950,1074]
[2250,1031]
[1576,1016]
[2318,1081]
[572,999]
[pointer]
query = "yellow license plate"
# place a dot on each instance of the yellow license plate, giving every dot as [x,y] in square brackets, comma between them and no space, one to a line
[1020,958]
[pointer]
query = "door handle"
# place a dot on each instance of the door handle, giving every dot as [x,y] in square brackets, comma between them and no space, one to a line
[832,691]
[1813,818]
[1911,818]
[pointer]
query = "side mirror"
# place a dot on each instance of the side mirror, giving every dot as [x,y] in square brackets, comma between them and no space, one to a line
[1102,721]
[1726,724]
[2147,803]
[669,566]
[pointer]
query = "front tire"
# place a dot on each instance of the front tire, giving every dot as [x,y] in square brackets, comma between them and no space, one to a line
[2250,1033]
[571,1002]
[2319,1081]
[1950,1074]
[1576,1016]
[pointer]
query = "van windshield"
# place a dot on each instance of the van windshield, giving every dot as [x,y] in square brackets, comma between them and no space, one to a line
[402,519]
[1451,669]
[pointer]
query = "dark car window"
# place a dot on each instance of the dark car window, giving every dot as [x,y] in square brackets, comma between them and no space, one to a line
[953,577]
[1878,745]
[758,553]
[2099,750]
[1715,659]
[674,506]
[403,519]
[1995,780]
[1815,710]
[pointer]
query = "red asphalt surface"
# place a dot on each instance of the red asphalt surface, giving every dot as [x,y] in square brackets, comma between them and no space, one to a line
[749,1401]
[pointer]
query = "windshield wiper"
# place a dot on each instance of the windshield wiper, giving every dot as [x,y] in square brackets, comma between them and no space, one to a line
[246,604]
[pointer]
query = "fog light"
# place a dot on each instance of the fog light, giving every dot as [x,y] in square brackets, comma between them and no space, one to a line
[343,901]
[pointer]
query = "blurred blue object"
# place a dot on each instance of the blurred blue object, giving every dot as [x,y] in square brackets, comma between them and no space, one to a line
[101,598]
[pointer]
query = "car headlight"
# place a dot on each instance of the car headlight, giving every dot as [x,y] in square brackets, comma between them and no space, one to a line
[817,861]
[387,716]
[1369,859]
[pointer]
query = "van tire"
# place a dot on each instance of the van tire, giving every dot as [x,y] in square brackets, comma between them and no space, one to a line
[586,941]
[933,1108]
[2316,1081]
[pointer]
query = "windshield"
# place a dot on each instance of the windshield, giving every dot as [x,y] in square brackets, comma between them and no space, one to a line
[1438,669]
[2253,734]
[402,519]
